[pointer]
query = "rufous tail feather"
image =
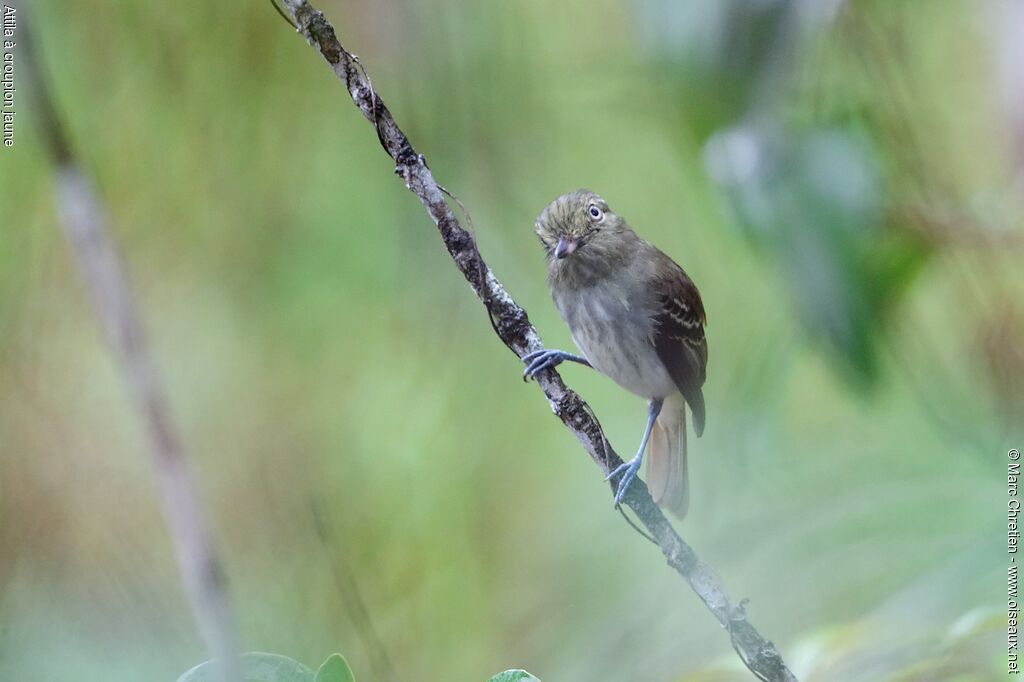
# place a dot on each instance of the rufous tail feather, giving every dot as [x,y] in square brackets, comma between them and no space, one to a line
[667,476]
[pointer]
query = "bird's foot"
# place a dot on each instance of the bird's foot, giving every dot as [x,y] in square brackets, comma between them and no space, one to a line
[628,470]
[544,358]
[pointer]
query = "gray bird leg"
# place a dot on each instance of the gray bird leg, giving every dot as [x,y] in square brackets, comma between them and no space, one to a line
[542,359]
[629,469]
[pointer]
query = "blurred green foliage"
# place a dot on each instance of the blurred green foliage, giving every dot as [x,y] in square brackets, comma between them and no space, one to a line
[843,186]
[262,667]
[259,667]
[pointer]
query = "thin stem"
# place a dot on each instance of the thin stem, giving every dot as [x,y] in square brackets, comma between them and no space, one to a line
[84,221]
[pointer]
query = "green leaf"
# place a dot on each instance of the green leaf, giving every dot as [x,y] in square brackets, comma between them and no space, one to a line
[256,667]
[335,669]
[514,676]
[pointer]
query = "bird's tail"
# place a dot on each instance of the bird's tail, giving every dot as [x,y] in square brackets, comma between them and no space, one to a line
[667,477]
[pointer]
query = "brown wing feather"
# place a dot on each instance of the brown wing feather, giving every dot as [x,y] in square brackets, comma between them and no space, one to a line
[679,337]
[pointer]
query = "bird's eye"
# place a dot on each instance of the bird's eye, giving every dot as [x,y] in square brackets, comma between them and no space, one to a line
[595,212]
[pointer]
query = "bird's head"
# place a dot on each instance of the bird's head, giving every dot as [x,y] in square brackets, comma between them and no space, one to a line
[576,222]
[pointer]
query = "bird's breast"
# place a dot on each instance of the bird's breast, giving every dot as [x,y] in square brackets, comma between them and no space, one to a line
[616,335]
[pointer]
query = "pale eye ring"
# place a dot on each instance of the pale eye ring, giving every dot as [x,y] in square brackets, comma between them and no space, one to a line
[595,213]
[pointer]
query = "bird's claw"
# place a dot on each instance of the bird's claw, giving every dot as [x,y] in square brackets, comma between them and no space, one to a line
[629,471]
[541,359]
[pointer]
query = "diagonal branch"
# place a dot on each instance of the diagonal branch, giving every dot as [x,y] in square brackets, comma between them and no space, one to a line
[514,329]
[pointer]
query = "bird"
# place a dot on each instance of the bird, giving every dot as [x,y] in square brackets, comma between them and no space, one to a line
[638,319]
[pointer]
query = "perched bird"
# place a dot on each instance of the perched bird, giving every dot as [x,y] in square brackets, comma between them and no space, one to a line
[639,320]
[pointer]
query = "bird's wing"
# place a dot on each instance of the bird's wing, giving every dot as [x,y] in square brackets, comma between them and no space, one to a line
[679,335]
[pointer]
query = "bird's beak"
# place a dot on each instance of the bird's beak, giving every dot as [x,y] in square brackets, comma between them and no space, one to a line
[565,247]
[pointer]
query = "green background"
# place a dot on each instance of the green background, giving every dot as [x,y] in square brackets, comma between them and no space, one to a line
[857,246]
